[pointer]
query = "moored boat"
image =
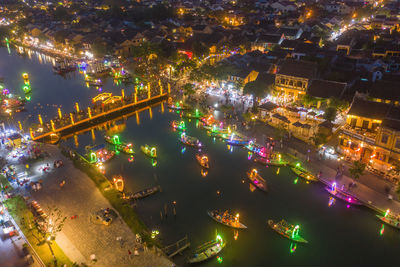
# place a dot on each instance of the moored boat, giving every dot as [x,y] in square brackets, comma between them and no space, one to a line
[178,125]
[114,140]
[304,174]
[149,151]
[226,219]
[126,148]
[257,180]
[193,115]
[178,106]
[271,162]
[208,250]
[287,230]
[145,193]
[190,141]
[342,195]
[390,219]
[202,160]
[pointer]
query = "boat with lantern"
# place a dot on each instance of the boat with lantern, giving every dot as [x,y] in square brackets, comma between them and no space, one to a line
[227,219]
[114,140]
[304,174]
[99,153]
[235,141]
[271,162]
[118,182]
[178,125]
[95,83]
[190,140]
[64,67]
[149,151]
[257,149]
[287,230]
[145,193]
[257,180]
[125,148]
[202,160]
[179,106]
[207,250]
[390,219]
[193,115]
[342,195]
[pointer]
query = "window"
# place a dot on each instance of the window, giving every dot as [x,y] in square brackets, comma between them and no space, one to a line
[375,125]
[353,122]
[384,138]
[365,124]
[397,144]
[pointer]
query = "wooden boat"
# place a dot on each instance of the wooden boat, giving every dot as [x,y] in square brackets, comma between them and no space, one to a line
[226,219]
[235,142]
[272,162]
[390,220]
[118,182]
[114,140]
[203,161]
[287,230]
[126,148]
[257,180]
[304,174]
[145,193]
[149,151]
[190,141]
[194,115]
[342,195]
[179,107]
[64,68]
[178,125]
[208,250]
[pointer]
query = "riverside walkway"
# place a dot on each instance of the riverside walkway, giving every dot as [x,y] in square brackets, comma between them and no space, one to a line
[109,108]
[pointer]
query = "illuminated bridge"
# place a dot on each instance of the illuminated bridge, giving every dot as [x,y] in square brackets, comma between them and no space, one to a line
[105,107]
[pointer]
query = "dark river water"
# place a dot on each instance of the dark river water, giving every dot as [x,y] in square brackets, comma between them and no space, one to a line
[337,235]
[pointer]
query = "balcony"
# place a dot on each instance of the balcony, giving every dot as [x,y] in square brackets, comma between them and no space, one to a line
[361,134]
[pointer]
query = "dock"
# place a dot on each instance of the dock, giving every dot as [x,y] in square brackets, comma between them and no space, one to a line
[177,247]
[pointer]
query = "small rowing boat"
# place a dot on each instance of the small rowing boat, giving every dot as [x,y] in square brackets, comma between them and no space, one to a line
[178,125]
[193,115]
[304,174]
[118,182]
[271,162]
[190,141]
[226,219]
[149,151]
[179,106]
[145,193]
[114,140]
[342,195]
[126,148]
[208,250]
[235,142]
[203,161]
[287,230]
[390,219]
[257,180]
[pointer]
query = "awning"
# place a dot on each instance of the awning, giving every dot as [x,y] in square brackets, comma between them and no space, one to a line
[297,124]
[280,117]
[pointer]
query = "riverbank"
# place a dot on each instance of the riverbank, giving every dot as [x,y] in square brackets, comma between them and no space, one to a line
[81,238]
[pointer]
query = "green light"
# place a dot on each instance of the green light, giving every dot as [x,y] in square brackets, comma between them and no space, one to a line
[296,180]
[293,247]
[295,232]
[219,259]
[298,164]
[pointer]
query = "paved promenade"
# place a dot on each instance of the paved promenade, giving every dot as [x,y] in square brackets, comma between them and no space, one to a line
[80,238]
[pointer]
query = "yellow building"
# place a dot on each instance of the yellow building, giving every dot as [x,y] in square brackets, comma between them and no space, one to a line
[372,134]
[293,78]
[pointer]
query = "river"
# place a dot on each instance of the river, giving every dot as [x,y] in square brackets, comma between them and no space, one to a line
[337,234]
